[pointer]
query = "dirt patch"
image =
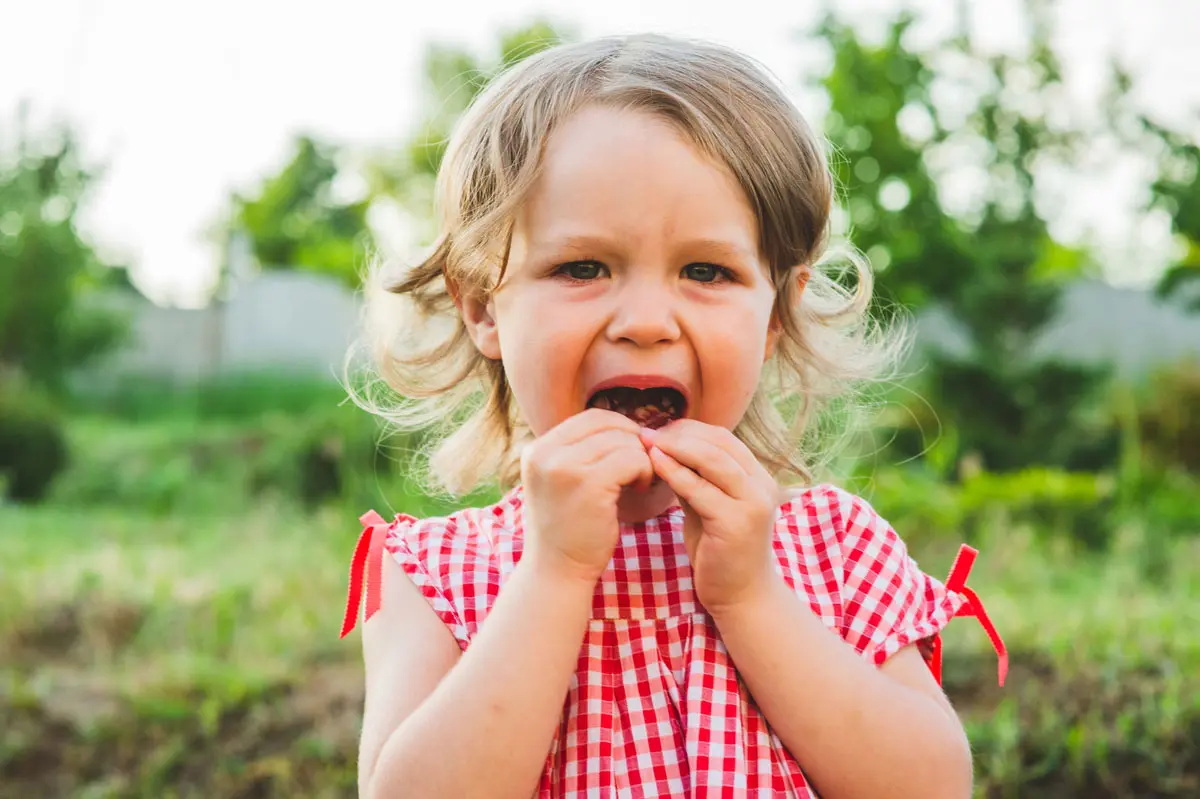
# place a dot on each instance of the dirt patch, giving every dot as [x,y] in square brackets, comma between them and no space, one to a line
[1046,734]
[298,739]
[77,630]
[1087,730]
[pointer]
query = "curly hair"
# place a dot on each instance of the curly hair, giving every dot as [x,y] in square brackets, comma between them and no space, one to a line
[731,109]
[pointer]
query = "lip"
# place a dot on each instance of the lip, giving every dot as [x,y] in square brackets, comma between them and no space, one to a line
[642,382]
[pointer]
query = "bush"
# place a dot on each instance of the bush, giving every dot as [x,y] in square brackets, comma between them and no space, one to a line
[174,465]
[1079,504]
[232,398]
[160,468]
[1168,421]
[923,506]
[33,447]
[319,457]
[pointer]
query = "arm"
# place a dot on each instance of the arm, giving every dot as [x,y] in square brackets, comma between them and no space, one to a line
[835,711]
[859,730]
[480,724]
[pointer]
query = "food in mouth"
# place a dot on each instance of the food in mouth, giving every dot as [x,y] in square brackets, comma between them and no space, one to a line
[649,407]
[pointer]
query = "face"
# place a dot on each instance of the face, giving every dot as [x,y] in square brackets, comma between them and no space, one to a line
[633,255]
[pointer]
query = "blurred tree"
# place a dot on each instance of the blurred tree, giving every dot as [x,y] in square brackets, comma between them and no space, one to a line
[49,273]
[937,152]
[294,220]
[1176,191]
[453,78]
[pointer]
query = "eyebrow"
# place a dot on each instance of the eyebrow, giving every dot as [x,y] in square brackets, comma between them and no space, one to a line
[603,244]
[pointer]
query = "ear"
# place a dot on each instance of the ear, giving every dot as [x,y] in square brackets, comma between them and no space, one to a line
[479,315]
[800,274]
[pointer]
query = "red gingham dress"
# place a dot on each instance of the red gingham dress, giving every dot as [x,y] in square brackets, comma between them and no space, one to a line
[655,708]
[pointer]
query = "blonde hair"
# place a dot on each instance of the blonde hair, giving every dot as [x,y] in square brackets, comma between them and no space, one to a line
[732,110]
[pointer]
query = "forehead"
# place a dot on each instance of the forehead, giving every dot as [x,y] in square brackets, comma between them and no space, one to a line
[636,175]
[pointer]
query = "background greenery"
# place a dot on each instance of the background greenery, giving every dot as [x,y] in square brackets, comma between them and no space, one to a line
[174,555]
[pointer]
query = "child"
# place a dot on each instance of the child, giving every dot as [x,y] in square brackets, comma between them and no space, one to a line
[627,275]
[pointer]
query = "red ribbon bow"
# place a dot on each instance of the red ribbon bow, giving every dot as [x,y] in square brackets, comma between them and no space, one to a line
[367,563]
[957,582]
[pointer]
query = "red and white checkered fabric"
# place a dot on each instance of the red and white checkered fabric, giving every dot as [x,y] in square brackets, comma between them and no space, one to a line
[655,708]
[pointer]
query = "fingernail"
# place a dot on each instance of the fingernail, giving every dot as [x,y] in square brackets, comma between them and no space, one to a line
[647,433]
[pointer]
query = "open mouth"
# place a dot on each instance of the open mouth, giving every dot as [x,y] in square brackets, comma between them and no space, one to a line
[649,407]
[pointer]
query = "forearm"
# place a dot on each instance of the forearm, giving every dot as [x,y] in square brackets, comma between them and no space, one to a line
[854,730]
[487,728]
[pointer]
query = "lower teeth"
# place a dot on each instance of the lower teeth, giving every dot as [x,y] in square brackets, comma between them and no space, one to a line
[654,414]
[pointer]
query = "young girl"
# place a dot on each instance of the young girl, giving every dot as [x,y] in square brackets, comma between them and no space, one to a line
[625,321]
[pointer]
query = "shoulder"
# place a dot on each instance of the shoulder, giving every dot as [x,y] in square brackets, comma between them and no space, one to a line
[458,561]
[827,532]
[834,515]
[472,530]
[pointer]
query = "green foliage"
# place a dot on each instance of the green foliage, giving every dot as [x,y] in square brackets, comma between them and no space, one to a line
[1072,507]
[1017,414]
[177,466]
[33,447]
[453,78]
[295,221]
[990,263]
[1169,418]
[234,398]
[1176,191]
[235,443]
[48,270]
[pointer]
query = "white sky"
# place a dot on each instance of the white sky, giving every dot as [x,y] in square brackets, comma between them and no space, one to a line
[186,103]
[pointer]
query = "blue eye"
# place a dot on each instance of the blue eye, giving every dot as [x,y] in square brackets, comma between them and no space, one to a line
[581,270]
[706,273]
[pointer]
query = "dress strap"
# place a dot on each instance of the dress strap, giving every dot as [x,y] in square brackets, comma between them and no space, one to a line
[957,582]
[366,566]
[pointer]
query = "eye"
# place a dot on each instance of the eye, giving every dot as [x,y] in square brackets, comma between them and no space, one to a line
[707,273]
[581,270]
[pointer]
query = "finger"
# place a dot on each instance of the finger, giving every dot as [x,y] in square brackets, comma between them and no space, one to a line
[713,463]
[626,467]
[593,420]
[592,448]
[692,489]
[715,435]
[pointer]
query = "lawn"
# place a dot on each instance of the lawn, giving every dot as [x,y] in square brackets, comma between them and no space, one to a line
[150,653]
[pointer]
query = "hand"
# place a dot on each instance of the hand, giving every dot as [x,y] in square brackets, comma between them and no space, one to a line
[573,476]
[729,504]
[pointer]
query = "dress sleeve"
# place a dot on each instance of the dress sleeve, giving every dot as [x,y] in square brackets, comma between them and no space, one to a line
[414,544]
[889,603]
[418,548]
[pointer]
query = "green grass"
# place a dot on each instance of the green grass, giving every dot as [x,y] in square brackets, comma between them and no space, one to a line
[200,656]
[168,624]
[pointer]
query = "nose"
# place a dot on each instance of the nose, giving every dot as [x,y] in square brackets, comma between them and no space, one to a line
[645,314]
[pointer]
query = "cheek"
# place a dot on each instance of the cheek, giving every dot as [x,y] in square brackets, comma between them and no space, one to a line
[731,366]
[543,345]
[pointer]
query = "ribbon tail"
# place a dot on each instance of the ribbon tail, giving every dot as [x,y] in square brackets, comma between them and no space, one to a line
[992,634]
[354,592]
[957,582]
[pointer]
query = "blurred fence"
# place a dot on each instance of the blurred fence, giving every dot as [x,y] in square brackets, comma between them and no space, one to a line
[278,320]
[1128,330]
[300,322]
